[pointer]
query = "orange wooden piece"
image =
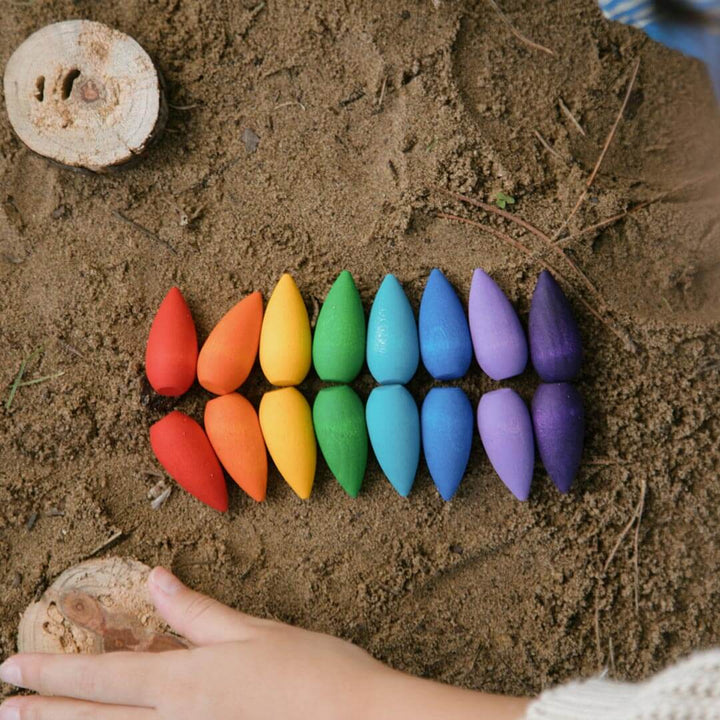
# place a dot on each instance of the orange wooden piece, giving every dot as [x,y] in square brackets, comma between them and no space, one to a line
[229,353]
[234,431]
[183,449]
[171,353]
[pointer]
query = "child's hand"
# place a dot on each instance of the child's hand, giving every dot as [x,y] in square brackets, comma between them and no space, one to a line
[242,668]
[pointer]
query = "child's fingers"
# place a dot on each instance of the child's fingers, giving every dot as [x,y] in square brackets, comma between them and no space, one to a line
[200,619]
[121,678]
[41,708]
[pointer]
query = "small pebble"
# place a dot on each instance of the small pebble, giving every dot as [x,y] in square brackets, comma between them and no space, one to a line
[30,524]
[251,140]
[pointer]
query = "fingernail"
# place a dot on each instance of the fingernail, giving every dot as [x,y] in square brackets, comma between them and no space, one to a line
[9,711]
[10,674]
[165,581]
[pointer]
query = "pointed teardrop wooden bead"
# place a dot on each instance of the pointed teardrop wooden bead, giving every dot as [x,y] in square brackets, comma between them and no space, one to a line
[234,431]
[559,421]
[445,344]
[447,431]
[285,343]
[555,342]
[171,352]
[228,354]
[497,335]
[286,422]
[339,419]
[339,344]
[393,352]
[183,449]
[507,436]
[394,429]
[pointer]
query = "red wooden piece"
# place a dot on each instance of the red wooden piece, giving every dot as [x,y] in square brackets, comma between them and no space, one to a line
[183,449]
[172,351]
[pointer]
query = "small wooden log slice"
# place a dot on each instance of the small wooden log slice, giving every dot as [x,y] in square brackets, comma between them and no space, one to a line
[84,95]
[95,607]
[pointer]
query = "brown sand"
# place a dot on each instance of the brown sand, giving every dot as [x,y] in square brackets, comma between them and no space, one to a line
[361,113]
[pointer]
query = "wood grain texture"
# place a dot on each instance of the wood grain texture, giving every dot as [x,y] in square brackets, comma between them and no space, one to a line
[97,606]
[84,95]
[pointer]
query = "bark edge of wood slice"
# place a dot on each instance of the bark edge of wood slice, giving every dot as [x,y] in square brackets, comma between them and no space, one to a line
[98,606]
[84,95]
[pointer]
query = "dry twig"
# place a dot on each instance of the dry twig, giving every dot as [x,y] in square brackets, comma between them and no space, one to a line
[382,93]
[640,206]
[636,544]
[636,516]
[185,107]
[522,38]
[603,153]
[543,237]
[141,228]
[549,147]
[113,540]
[571,117]
[620,333]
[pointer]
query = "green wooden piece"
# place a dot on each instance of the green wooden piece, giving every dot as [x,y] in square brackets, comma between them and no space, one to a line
[339,344]
[339,419]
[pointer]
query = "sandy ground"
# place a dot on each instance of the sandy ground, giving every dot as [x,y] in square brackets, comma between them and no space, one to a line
[364,114]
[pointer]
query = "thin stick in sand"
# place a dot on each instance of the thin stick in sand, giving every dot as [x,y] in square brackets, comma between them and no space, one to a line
[635,517]
[522,38]
[640,206]
[571,117]
[603,153]
[548,147]
[543,237]
[620,333]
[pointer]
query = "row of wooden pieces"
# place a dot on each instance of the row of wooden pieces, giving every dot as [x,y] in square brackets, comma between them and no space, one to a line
[338,351]
[392,342]
[235,436]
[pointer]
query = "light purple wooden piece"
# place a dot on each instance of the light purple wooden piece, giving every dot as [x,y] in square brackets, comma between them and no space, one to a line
[507,435]
[498,337]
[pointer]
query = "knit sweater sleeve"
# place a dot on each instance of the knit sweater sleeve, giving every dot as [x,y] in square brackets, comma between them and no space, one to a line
[689,690]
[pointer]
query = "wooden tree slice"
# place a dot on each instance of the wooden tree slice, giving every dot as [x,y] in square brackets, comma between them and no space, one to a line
[95,607]
[84,95]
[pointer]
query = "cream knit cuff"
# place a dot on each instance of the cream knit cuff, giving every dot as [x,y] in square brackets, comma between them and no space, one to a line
[689,690]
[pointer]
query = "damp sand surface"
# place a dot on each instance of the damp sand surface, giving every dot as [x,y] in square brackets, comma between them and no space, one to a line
[312,137]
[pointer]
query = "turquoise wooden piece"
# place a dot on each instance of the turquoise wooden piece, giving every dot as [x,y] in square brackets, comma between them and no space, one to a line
[394,427]
[393,352]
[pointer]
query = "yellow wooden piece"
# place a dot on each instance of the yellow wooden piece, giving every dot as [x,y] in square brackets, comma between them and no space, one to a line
[285,343]
[286,422]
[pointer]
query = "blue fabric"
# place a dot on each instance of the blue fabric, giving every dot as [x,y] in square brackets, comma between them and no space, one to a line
[698,42]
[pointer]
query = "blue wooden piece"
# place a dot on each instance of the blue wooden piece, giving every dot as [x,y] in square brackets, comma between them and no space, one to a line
[445,344]
[448,425]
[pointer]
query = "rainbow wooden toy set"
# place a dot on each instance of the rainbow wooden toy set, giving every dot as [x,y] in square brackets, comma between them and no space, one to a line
[235,436]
